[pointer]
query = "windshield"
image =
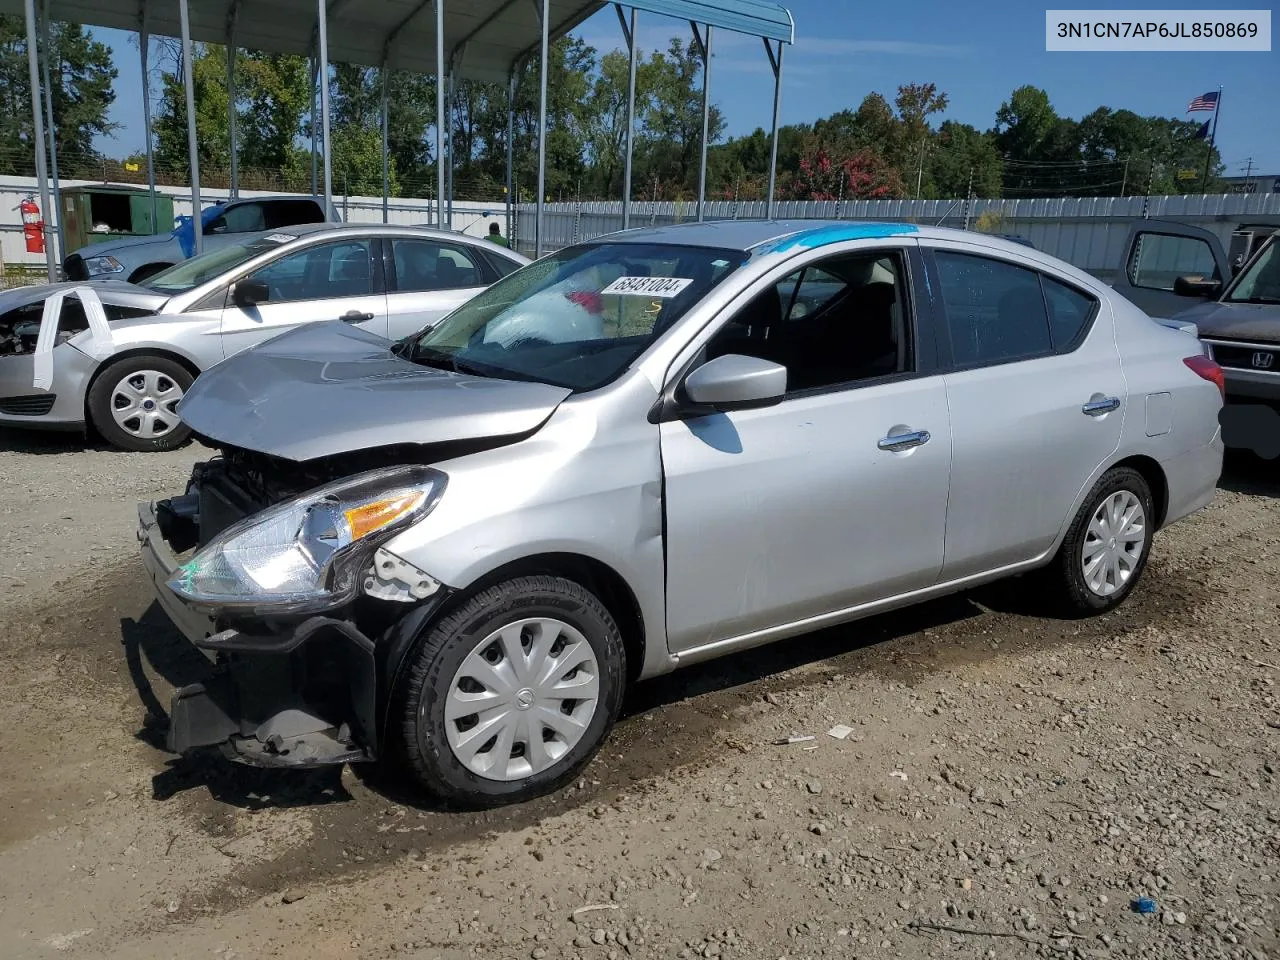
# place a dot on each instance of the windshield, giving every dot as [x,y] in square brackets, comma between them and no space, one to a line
[576,318]
[1260,283]
[209,266]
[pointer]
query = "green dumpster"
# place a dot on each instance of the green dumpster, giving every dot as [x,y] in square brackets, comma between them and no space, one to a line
[92,214]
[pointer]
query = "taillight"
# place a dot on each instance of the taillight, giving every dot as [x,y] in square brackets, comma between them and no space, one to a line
[1206,368]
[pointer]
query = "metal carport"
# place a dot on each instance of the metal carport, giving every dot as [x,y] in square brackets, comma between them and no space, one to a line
[487,40]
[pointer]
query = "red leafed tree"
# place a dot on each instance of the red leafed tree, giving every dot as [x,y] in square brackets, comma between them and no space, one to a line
[862,175]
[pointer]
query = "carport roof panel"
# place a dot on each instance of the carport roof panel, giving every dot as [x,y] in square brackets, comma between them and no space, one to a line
[484,38]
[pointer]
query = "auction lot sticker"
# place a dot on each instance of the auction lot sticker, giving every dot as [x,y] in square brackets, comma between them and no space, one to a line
[1187,31]
[648,286]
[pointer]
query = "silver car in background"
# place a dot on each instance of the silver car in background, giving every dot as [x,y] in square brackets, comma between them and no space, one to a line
[120,356]
[648,451]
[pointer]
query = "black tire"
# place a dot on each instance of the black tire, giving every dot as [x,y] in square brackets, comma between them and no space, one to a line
[149,271]
[1066,576]
[101,398]
[418,716]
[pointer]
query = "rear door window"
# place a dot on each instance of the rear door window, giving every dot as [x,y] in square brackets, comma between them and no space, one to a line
[426,265]
[995,310]
[290,213]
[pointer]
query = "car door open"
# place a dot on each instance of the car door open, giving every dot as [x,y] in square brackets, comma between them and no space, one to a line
[833,497]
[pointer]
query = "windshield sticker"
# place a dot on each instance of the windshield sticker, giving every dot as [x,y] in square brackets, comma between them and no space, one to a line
[647,286]
[280,238]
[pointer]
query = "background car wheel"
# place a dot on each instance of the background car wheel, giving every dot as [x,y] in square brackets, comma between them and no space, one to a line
[133,403]
[149,271]
[510,695]
[1106,548]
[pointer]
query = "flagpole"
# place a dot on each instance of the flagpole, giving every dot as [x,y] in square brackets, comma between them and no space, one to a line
[1213,133]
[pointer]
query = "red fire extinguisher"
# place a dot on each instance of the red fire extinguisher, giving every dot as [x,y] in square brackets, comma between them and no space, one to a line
[32,225]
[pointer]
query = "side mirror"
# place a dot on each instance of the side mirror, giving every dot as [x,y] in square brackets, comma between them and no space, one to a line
[736,382]
[1196,287]
[249,292]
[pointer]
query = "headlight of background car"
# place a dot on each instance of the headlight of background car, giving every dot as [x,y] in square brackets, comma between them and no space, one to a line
[308,553]
[97,266]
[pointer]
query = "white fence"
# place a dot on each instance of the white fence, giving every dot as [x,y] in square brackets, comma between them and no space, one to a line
[1087,232]
[469,217]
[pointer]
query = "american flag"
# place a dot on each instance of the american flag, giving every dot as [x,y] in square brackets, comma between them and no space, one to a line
[1206,101]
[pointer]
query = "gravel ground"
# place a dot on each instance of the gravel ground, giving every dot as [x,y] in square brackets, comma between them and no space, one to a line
[1009,784]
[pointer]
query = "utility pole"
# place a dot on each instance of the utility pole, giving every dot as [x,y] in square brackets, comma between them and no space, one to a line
[1124,182]
[968,199]
[920,170]
[1248,173]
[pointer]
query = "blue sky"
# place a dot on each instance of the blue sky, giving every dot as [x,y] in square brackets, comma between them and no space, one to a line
[975,53]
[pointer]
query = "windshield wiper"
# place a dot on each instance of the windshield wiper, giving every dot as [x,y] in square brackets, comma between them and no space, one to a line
[429,357]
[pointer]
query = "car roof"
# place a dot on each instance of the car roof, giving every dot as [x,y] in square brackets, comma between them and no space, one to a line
[381,229]
[750,235]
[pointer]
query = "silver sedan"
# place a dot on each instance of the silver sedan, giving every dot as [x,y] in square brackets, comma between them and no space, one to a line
[648,451]
[119,356]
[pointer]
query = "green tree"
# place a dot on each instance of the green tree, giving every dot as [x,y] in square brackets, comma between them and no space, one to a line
[673,119]
[273,94]
[81,74]
[213,143]
[916,103]
[961,152]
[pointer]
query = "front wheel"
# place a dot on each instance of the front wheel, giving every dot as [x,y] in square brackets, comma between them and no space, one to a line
[1106,548]
[133,403]
[509,696]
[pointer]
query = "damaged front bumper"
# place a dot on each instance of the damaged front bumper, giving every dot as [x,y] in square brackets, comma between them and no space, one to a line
[300,693]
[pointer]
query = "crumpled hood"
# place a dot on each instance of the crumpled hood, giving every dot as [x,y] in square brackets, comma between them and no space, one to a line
[1235,321]
[109,291]
[330,388]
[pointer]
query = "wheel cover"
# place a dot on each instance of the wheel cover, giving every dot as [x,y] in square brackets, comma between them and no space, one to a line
[522,699]
[1113,543]
[145,404]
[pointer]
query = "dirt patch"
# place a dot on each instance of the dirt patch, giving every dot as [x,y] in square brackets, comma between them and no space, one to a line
[1010,783]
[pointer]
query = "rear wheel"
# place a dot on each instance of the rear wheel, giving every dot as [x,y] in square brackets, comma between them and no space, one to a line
[509,696]
[133,403]
[1106,548]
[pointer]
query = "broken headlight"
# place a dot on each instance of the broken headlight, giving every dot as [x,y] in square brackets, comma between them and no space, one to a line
[308,553]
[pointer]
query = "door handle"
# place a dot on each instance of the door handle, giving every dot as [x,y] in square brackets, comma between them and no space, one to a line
[1096,408]
[904,441]
[355,316]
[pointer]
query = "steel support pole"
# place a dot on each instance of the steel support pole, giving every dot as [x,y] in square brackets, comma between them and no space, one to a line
[542,128]
[453,105]
[440,119]
[144,50]
[706,117]
[512,84]
[37,122]
[773,146]
[52,132]
[232,116]
[189,82]
[630,32]
[315,154]
[386,149]
[322,77]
